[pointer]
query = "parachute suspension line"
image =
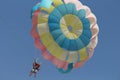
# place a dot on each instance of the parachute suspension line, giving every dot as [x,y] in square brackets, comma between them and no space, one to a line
[37,53]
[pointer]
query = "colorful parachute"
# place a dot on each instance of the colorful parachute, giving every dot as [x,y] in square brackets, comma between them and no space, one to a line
[65,31]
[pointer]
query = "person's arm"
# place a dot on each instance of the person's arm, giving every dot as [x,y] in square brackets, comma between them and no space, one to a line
[33,65]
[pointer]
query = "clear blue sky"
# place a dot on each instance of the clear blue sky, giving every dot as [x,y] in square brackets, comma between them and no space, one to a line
[17,47]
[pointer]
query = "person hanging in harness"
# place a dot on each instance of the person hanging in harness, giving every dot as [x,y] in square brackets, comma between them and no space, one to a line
[36,68]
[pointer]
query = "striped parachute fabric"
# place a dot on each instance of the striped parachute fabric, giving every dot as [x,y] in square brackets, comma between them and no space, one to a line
[65,31]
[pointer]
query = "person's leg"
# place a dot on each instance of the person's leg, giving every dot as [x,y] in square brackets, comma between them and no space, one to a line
[35,75]
[30,73]
[35,72]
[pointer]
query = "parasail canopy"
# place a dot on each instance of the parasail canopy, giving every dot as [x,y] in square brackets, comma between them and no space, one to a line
[65,31]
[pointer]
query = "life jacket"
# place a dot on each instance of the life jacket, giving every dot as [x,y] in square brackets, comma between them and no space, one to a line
[36,65]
